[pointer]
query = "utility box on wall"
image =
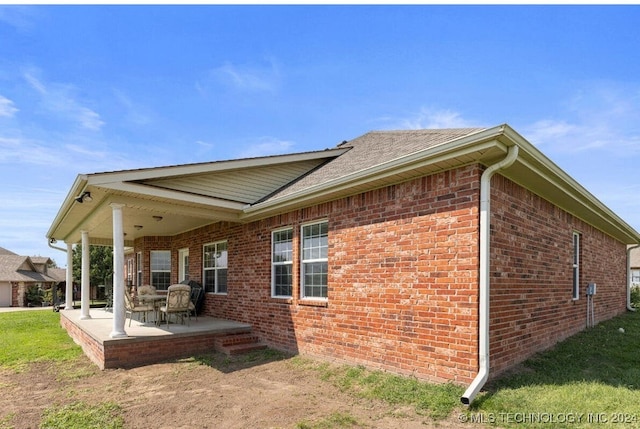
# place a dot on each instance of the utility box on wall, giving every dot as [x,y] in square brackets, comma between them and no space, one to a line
[591,289]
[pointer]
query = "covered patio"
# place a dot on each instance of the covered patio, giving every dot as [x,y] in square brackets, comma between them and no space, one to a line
[148,343]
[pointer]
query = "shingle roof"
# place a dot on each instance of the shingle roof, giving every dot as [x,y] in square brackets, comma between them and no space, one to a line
[373,149]
[4,251]
[15,268]
[59,274]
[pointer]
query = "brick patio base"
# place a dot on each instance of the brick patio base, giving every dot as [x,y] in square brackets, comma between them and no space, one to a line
[137,350]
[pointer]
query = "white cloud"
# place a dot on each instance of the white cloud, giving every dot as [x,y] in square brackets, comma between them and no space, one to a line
[59,100]
[266,146]
[249,78]
[134,113]
[19,17]
[601,116]
[428,118]
[7,108]
[24,151]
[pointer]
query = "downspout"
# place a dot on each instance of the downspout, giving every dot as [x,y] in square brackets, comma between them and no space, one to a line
[483,310]
[50,243]
[629,306]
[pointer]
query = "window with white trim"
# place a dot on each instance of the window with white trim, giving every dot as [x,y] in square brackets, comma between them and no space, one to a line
[314,261]
[282,263]
[576,265]
[635,276]
[161,269]
[183,265]
[139,269]
[214,271]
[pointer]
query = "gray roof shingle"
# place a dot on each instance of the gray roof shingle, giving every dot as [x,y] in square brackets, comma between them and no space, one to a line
[373,149]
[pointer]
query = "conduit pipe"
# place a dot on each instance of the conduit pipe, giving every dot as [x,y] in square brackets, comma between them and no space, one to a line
[629,306]
[483,310]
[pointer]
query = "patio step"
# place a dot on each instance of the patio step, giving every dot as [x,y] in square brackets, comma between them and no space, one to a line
[235,344]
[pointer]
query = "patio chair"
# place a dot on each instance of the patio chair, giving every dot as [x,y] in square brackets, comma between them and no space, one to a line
[131,307]
[178,300]
[146,290]
[195,295]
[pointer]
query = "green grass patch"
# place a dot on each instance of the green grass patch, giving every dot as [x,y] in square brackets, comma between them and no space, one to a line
[34,336]
[435,400]
[81,415]
[5,421]
[592,378]
[334,421]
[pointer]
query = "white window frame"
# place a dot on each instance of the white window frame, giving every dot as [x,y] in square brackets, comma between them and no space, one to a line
[575,268]
[139,269]
[130,270]
[321,259]
[215,268]
[275,264]
[152,271]
[183,264]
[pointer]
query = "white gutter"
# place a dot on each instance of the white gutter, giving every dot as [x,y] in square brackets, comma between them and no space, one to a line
[629,306]
[483,310]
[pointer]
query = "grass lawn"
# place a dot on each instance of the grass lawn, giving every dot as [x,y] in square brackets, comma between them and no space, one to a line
[34,336]
[590,380]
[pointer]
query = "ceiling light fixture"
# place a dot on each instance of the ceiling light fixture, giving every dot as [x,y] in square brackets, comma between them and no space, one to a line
[157,218]
[138,227]
[86,196]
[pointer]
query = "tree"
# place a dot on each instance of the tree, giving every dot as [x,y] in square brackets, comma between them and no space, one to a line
[100,264]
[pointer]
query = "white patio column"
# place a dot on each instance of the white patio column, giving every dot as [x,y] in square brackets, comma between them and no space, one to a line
[68,294]
[118,274]
[85,290]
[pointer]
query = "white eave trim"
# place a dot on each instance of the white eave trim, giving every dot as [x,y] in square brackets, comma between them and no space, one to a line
[156,173]
[152,191]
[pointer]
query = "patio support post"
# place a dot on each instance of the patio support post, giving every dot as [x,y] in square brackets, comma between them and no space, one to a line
[86,278]
[118,274]
[68,293]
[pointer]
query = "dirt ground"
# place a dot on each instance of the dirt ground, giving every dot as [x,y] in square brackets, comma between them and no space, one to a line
[219,393]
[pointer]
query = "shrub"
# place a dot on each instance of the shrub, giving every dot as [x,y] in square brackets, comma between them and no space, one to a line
[635,296]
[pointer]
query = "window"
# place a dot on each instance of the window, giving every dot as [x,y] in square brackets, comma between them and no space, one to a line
[161,269]
[183,265]
[282,263]
[139,269]
[215,267]
[314,265]
[576,265]
[635,276]
[130,271]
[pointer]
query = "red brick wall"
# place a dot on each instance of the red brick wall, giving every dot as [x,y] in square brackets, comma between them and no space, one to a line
[403,265]
[403,277]
[531,274]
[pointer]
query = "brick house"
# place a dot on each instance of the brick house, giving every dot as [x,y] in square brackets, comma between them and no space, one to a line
[447,254]
[18,273]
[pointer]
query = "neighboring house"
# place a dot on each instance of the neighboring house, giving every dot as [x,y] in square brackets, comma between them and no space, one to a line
[634,264]
[18,273]
[383,251]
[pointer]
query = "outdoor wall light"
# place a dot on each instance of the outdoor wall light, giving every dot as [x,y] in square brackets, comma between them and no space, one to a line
[138,227]
[86,196]
[157,218]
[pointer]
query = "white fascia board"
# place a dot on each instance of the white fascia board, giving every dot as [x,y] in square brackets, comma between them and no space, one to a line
[152,191]
[76,189]
[100,179]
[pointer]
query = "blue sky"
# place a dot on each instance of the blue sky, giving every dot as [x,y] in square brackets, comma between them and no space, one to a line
[87,89]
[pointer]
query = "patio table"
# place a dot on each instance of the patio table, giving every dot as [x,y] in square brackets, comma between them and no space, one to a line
[156,300]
